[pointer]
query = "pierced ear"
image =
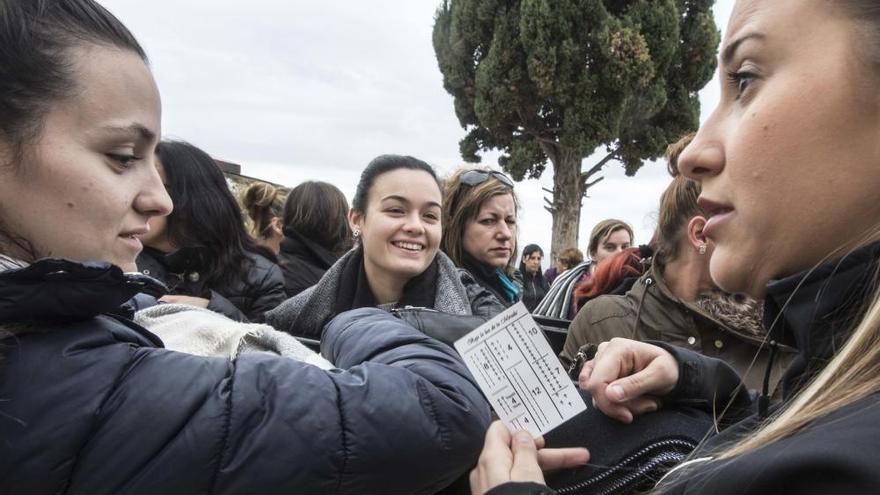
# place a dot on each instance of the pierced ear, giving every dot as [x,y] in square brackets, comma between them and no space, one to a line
[354,220]
[695,231]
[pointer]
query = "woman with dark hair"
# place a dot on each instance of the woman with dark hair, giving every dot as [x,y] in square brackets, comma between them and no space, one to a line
[201,251]
[91,402]
[534,284]
[396,219]
[316,234]
[791,190]
[479,215]
[264,205]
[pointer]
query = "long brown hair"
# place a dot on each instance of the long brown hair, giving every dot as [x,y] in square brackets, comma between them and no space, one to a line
[461,204]
[318,211]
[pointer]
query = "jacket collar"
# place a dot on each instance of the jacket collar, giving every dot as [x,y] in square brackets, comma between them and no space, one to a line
[56,290]
[294,243]
[816,310]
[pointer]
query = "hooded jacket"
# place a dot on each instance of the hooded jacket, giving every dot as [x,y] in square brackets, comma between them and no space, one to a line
[732,331]
[91,403]
[815,312]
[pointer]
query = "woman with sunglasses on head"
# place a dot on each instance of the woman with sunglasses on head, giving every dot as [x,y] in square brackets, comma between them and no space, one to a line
[396,220]
[479,216]
[91,403]
[792,193]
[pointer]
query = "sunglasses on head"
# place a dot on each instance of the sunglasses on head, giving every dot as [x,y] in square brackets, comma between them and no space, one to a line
[474,177]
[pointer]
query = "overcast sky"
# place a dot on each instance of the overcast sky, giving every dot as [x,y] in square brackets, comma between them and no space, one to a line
[300,90]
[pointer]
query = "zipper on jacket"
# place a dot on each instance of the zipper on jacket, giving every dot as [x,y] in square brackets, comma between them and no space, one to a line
[678,450]
[648,283]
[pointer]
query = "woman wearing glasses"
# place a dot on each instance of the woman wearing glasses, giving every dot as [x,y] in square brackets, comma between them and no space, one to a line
[396,221]
[480,235]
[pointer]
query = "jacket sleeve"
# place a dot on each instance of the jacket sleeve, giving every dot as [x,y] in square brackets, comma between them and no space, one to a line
[402,416]
[267,294]
[709,384]
[521,488]
[219,304]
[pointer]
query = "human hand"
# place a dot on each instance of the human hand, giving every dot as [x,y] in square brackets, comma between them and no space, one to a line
[200,302]
[626,378]
[518,457]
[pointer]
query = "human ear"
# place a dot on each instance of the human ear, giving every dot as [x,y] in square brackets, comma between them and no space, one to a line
[695,235]
[355,220]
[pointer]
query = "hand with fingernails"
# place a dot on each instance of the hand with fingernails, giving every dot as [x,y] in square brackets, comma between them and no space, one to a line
[510,457]
[627,378]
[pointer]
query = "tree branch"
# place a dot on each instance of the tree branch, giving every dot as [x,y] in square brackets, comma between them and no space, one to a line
[549,191]
[597,167]
[591,184]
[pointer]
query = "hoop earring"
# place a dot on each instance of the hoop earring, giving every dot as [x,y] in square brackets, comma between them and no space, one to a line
[702,248]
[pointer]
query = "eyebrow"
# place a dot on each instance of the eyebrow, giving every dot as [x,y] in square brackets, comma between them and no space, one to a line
[405,200]
[732,47]
[136,129]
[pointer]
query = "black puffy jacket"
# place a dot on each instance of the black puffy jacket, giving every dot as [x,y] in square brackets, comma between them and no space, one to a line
[245,299]
[90,403]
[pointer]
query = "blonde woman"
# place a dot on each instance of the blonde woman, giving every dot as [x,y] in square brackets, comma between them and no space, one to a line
[790,169]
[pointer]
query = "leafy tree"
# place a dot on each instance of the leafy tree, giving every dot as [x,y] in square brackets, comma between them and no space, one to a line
[554,80]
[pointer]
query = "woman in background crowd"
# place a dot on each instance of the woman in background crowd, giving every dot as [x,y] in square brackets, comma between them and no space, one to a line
[316,234]
[479,216]
[807,247]
[201,251]
[92,403]
[396,219]
[534,285]
[264,205]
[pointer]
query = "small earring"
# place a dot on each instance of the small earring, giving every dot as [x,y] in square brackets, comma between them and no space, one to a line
[356,233]
[702,248]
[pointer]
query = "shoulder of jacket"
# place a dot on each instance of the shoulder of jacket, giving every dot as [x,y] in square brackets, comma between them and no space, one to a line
[605,307]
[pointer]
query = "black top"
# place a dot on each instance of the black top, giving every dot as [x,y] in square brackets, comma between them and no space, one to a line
[303,261]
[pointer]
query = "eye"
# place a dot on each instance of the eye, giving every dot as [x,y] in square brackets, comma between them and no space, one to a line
[395,210]
[124,161]
[487,221]
[741,81]
[432,216]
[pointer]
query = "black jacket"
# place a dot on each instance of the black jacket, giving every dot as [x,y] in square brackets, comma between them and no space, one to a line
[534,288]
[91,403]
[813,311]
[245,299]
[302,261]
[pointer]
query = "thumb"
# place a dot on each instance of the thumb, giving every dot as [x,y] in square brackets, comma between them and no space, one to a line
[632,386]
[525,459]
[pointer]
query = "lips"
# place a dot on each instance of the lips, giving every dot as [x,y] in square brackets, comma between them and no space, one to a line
[414,247]
[718,214]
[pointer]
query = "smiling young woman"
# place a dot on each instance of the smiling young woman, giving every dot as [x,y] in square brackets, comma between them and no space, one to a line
[90,402]
[396,219]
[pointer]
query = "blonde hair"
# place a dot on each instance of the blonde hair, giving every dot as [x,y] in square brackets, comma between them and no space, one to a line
[262,202]
[461,204]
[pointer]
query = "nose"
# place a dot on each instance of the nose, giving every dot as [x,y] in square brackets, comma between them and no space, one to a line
[153,200]
[704,155]
[414,224]
[504,231]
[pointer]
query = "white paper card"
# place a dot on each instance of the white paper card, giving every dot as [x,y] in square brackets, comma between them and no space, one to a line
[518,372]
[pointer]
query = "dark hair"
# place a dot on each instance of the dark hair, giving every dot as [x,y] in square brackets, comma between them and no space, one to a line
[205,213]
[262,202]
[380,165]
[318,211]
[36,37]
[462,203]
[527,251]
